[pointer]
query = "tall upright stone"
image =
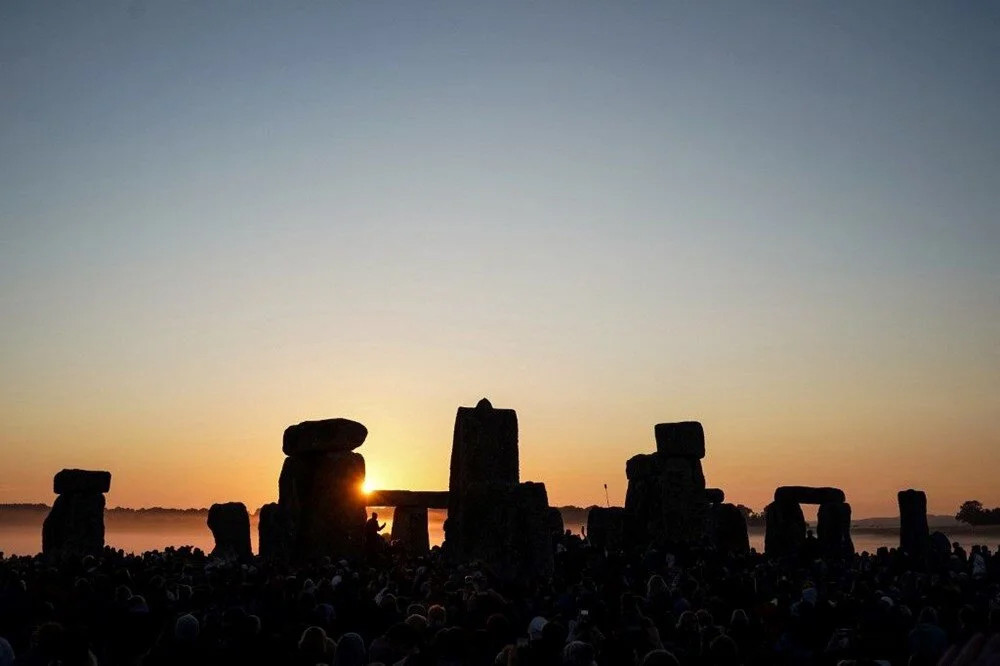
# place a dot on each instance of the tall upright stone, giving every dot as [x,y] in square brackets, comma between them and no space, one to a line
[784,528]
[274,533]
[492,516]
[728,529]
[75,525]
[230,526]
[833,529]
[484,469]
[409,528]
[606,527]
[680,448]
[319,490]
[914,534]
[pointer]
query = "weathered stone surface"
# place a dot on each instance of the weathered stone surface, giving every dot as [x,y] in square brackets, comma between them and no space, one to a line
[81,481]
[833,529]
[644,510]
[74,526]
[729,529]
[326,436]
[715,495]
[428,499]
[606,527]
[230,525]
[914,533]
[683,500]
[556,525]
[322,497]
[529,530]
[484,468]
[409,527]
[274,533]
[685,439]
[643,465]
[808,495]
[785,528]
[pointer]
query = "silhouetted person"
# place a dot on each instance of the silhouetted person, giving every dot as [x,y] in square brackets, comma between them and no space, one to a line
[372,528]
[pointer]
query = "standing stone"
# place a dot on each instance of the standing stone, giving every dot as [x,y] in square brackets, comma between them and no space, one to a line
[484,469]
[784,528]
[274,533]
[833,529]
[321,495]
[914,534]
[75,525]
[230,525]
[556,525]
[644,507]
[685,510]
[409,527]
[605,527]
[684,440]
[729,529]
[531,550]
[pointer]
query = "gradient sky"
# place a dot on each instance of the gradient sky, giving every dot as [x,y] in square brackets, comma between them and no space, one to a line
[220,218]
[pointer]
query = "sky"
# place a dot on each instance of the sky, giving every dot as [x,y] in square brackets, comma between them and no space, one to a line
[781,219]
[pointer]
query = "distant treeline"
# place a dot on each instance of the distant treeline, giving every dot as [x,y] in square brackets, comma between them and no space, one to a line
[974,513]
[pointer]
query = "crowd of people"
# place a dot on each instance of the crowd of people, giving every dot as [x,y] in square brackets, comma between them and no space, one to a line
[649,607]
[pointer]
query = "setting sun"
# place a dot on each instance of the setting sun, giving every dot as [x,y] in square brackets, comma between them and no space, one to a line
[367,486]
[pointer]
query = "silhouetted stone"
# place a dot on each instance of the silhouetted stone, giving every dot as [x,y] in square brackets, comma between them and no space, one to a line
[605,527]
[321,495]
[808,495]
[644,509]
[230,525]
[643,466]
[274,533]
[785,528]
[913,530]
[729,529]
[715,495]
[81,481]
[556,525]
[326,436]
[74,526]
[428,499]
[409,527]
[685,439]
[484,468]
[529,530]
[833,529]
[684,506]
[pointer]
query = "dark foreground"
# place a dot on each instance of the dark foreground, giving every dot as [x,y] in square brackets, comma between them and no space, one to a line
[180,607]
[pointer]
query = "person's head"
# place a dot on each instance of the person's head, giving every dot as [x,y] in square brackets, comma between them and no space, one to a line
[437,616]
[350,651]
[6,653]
[374,515]
[186,629]
[578,653]
[655,586]
[660,658]
[928,616]
[535,628]
[723,649]
[313,642]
